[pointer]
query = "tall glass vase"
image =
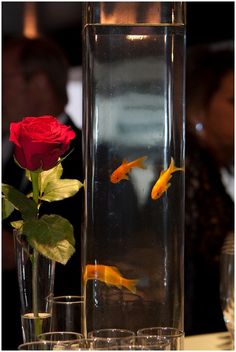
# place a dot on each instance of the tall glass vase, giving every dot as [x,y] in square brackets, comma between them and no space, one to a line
[36,282]
[133,235]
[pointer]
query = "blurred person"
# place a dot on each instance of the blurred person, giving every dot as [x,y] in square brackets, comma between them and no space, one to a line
[209,204]
[34,80]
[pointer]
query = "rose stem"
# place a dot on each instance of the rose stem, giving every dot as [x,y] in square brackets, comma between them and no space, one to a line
[37,325]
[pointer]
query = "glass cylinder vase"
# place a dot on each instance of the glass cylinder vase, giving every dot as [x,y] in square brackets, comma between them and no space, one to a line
[133,122]
[36,282]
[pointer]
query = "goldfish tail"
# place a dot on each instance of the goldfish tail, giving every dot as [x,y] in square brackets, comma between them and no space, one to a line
[140,162]
[175,168]
[85,275]
[130,285]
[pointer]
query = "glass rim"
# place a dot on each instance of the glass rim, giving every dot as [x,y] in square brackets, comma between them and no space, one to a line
[78,335]
[66,299]
[89,334]
[40,342]
[177,332]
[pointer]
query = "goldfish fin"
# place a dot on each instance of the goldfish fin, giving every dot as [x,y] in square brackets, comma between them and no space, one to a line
[172,165]
[131,285]
[115,269]
[167,186]
[125,177]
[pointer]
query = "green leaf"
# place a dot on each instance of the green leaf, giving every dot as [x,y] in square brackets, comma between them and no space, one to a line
[49,229]
[27,174]
[17,224]
[52,236]
[30,195]
[49,176]
[26,206]
[7,208]
[61,252]
[61,189]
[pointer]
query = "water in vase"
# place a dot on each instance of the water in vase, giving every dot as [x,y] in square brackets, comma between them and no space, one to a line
[28,325]
[133,248]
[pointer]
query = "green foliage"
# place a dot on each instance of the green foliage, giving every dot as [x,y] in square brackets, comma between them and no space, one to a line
[52,188]
[50,235]
[60,189]
[26,206]
[7,208]
[50,176]
[18,225]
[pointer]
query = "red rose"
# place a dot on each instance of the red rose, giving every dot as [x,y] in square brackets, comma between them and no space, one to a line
[40,141]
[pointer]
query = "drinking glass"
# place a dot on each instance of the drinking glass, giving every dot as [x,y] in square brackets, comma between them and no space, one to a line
[65,336]
[106,338]
[122,343]
[145,342]
[174,336]
[98,343]
[42,345]
[86,344]
[111,333]
[227,283]
[66,313]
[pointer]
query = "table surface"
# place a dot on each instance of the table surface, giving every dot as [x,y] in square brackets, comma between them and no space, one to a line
[215,341]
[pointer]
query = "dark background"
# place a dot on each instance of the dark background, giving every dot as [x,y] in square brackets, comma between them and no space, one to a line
[206,22]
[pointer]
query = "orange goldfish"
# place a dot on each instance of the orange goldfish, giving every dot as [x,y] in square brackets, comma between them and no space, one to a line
[120,173]
[162,184]
[110,275]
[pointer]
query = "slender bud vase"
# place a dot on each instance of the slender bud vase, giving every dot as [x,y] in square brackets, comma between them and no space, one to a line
[36,281]
[132,256]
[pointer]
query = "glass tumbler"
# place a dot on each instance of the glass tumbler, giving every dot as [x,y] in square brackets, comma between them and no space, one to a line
[42,345]
[66,313]
[66,336]
[172,336]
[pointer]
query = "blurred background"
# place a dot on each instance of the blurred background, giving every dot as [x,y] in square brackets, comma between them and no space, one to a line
[207,22]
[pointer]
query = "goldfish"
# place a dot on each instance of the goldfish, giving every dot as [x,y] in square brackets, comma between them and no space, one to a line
[121,172]
[162,184]
[110,275]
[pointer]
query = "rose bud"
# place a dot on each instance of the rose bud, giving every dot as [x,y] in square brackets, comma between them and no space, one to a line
[40,141]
